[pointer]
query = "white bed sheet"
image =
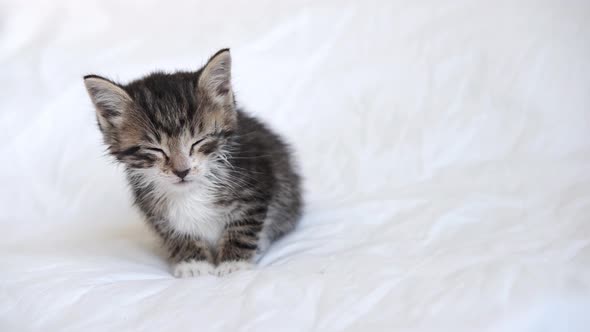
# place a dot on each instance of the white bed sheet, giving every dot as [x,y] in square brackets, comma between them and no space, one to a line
[445,146]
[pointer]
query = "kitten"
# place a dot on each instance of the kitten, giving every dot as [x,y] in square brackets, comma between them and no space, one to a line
[214,183]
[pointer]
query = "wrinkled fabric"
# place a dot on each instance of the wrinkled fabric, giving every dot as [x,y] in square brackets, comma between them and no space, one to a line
[445,147]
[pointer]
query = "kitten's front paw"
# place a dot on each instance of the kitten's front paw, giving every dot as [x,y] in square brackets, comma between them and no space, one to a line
[193,268]
[226,268]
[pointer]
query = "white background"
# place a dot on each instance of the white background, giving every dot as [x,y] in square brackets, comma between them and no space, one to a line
[445,146]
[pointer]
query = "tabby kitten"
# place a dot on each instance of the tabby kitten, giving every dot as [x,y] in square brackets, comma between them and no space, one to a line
[214,183]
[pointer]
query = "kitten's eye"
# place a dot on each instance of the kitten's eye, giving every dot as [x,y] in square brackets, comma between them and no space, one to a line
[196,143]
[199,141]
[159,151]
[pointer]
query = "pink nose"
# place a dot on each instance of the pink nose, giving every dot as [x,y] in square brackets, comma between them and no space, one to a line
[181,174]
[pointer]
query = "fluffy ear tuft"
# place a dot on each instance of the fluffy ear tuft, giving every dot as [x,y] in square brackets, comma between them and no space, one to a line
[215,79]
[110,100]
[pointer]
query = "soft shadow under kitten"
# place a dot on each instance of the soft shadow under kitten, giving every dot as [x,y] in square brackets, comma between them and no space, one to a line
[214,183]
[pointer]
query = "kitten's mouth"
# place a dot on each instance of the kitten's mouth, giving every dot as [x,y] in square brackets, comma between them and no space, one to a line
[183,182]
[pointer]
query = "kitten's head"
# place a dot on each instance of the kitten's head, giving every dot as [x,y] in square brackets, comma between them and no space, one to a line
[168,127]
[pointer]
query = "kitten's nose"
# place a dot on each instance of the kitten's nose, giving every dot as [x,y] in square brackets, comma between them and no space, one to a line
[181,174]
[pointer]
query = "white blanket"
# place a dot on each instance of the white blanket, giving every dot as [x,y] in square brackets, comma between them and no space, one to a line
[445,146]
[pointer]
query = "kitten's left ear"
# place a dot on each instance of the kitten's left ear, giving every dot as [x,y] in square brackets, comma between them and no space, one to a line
[215,79]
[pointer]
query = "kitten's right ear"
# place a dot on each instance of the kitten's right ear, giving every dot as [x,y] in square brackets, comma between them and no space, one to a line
[110,100]
[215,79]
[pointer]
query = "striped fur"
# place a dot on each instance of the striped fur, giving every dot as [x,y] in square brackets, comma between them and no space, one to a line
[214,183]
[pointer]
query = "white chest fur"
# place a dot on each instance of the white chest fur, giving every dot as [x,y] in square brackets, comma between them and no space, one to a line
[193,213]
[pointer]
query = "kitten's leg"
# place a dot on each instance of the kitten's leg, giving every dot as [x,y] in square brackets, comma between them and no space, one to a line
[191,257]
[239,242]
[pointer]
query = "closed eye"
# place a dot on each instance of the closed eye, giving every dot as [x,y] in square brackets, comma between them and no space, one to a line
[158,151]
[197,143]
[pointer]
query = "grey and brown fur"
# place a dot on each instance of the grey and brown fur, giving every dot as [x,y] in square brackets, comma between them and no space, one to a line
[215,184]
